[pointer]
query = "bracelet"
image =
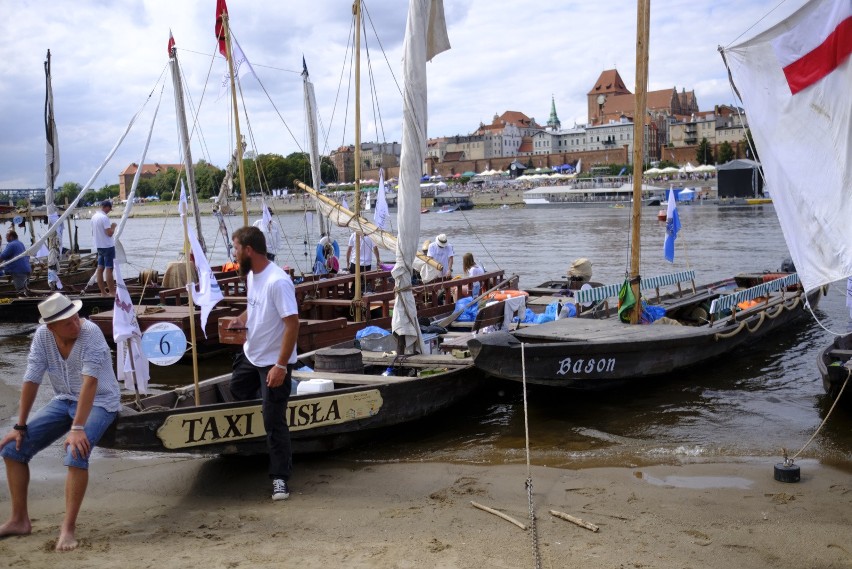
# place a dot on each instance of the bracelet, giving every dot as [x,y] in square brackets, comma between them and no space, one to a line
[279,366]
[18,427]
[78,428]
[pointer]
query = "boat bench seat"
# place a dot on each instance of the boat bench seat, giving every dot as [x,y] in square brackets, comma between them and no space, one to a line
[840,354]
[491,315]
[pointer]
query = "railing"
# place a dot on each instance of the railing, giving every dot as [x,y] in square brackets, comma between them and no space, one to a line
[730,301]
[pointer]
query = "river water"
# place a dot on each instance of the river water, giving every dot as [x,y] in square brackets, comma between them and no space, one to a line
[751,403]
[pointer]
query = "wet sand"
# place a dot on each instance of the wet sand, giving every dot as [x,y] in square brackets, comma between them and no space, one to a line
[167,512]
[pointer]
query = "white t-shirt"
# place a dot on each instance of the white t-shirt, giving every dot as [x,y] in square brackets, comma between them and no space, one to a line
[100,223]
[442,255]
[366,250]
[271,297]
[476,271]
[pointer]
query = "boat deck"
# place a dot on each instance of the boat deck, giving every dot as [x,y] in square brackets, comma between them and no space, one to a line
[591,330]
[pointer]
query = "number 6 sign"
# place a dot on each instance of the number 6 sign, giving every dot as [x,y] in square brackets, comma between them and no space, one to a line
[163,343]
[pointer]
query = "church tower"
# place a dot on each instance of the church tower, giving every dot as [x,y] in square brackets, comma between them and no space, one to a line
[553,122]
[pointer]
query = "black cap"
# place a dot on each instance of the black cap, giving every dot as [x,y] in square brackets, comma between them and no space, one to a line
[106,203]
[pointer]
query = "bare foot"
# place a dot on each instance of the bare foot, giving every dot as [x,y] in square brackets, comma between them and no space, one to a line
[16,528]
[66,541]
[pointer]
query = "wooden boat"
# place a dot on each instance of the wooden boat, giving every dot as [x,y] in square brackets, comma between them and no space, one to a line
[25,308]
[832,364]
[598,351]
[359,404]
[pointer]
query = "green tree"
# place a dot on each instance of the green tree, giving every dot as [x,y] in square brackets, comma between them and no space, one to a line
[726,152]
[704,154]
[208,178]
[751,149]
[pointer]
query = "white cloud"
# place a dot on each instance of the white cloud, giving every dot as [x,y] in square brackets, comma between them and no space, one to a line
[506,55]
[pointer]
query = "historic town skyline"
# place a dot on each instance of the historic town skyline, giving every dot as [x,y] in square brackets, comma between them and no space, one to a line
[505,56]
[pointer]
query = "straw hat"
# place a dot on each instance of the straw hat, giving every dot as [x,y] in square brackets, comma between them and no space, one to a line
[441,240]
[58,307]
[581,269]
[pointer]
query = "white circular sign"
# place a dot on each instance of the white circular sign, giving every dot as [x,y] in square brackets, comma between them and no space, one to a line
[163,343]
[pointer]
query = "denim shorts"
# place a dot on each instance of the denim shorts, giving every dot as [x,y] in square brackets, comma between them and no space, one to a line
[54,421]
[106,255]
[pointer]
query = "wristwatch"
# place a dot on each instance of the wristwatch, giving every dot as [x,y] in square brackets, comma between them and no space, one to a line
[18,427]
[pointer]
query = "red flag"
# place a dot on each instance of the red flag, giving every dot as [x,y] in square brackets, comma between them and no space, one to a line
[221,9]
[171,42]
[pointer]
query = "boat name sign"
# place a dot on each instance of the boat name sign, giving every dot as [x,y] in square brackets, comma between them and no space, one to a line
[586,367]
[197,428]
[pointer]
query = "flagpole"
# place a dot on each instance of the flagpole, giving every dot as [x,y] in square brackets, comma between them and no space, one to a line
[129,345]
[186,251]
[227,30]
[356,10]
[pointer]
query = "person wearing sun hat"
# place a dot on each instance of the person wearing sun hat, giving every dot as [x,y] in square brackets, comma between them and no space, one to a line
[442,251]
[73,354]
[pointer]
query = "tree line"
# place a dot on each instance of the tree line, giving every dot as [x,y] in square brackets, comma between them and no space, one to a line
[262,174]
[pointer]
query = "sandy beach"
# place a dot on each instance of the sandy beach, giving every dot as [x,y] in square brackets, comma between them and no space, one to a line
[183,512]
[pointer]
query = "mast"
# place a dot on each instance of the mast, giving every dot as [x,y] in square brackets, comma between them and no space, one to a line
[51,173]
[643,18]
[184,138]
[356,10]
[311,121]
[226,30]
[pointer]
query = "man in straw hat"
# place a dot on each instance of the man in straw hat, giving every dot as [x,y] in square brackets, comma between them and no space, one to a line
[75,356]
[442,251]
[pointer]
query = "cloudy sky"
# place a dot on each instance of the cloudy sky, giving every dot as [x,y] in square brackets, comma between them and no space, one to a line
[108,56]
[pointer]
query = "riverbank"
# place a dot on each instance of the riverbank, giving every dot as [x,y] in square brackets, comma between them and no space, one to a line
[177,512]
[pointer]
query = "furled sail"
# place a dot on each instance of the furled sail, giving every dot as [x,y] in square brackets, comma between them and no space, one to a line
[425,37]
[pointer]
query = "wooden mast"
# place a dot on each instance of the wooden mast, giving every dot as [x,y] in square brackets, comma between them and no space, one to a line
[356,10]
[642,32]
[230,52]
[184,138]
[194,346]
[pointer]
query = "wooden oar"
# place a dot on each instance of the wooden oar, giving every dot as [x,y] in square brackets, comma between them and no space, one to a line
[444,322]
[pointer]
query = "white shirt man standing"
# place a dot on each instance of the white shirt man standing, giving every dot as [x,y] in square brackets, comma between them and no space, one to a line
[442,251]
[102,235]
[266,362]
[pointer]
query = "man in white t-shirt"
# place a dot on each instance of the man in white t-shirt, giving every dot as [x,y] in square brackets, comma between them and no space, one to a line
[441,250]
[266,362]
[368,249]
[102,232]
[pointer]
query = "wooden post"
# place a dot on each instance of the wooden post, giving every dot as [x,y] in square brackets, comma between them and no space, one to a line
[642,32]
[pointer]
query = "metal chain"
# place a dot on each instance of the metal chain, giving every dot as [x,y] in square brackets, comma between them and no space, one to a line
[533,528]
[536,551]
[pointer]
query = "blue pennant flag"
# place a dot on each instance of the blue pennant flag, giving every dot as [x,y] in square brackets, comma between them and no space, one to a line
[672,227]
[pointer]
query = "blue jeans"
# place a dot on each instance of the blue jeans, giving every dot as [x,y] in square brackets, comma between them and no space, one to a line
[106,255]
[52,422]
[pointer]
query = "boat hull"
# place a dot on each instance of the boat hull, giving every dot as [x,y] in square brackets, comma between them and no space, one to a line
[318,422]
[831,364]
[599,354]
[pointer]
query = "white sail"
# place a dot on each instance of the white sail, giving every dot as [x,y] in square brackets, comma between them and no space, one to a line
[795,90]
[313,138]
[425,37]
[51,173]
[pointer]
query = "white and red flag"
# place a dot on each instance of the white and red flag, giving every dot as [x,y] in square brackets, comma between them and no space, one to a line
[795,80]
[171,42]
[816,45]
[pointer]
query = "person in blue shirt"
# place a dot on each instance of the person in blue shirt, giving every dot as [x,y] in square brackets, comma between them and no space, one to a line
[19,270]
